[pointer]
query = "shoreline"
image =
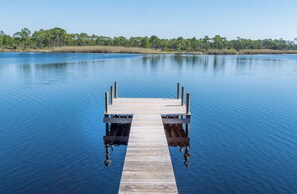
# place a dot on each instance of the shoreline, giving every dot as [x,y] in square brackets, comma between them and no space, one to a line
[136,50]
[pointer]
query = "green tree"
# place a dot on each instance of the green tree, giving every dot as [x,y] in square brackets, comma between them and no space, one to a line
[155,42]
[135,41]
[2,34]
[145,43]
[40,38]
[219,42]
[23,36]
[120,41]
[56,37]
[206,43]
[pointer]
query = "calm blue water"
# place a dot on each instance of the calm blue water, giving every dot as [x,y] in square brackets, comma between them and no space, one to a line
[243,128]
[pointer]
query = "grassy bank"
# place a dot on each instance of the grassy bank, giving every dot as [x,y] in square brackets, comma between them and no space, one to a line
[104,49]
[136,50]
[266,51]
[249,52]
[26,50]
[117,49]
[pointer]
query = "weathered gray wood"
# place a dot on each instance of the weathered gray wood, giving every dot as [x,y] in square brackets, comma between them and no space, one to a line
[116,90]
[106,102]
[188,104]
[147,166]
[117,120]
[188,130]
[148,188]
[115,138]
[141,172]
[111,95]
[175,121]
[182,96]
[178,91]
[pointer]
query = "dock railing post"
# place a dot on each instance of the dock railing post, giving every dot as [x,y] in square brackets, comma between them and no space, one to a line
[182,95]
[178,91]
[188,115]
[188,104]
[116,92]
[106,102]
[111,95]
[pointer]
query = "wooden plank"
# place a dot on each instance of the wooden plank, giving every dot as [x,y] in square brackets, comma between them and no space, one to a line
[147,178]
[115,139]
[148,187]
[176,121]
[117,120]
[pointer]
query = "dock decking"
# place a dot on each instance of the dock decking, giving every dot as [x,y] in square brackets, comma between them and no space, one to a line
[147,166]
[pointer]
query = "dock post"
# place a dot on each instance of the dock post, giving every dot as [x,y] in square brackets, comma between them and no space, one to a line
[188,130]
[106,128]
[106,102]
[182,95]
[188,104]
[111,95]
[178,91]
[116,92]
[188,115]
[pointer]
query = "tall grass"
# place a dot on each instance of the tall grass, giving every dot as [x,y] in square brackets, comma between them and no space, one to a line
[267,51]
[46,50]
[136,50]
[104,49]
[119,49]
[221,52]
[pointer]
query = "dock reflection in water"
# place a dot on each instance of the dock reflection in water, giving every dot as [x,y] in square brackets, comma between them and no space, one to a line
[178,135]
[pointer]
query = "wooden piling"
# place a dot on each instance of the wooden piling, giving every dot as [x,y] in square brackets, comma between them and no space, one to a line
[106,102]
[182,95]
[111,95]
[188,130]
[106,128]
[178,91]
[188,104]
[116,92]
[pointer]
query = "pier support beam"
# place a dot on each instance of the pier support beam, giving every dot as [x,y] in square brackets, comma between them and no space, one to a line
[188,129]
[182,96]
[188,104]
[116,92]
[178,91]
[111,95]
[106,102]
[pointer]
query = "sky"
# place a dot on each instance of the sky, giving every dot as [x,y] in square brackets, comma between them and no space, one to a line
[255,19]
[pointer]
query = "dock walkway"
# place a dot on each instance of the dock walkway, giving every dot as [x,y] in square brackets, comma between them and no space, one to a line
[147,166]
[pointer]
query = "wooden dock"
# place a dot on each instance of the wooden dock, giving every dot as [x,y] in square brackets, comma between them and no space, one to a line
[147,166]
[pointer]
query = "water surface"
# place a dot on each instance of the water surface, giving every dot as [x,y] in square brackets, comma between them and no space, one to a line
[243,127]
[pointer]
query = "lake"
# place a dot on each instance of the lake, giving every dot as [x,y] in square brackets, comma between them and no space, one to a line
[243,125]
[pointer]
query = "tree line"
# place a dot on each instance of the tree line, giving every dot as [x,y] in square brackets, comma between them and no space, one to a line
[57,37]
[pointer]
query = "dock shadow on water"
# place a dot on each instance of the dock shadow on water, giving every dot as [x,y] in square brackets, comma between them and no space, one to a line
[117,134]
[178,135]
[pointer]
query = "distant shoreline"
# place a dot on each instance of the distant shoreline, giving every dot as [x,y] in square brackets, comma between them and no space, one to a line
[136,50]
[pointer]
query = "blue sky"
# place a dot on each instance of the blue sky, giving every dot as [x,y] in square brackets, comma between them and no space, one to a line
[164,18]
